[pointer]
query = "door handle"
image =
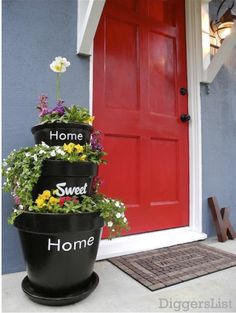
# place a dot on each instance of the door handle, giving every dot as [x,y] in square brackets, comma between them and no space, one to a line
[185,118]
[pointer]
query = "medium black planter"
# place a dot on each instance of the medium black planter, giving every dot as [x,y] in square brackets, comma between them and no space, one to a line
[56,134]
[60,251]
[70,179]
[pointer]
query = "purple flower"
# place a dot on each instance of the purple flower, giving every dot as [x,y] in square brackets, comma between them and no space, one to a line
[96,139]
[44,111]
[43,105]
[59,108]
[43,102]
[97,182]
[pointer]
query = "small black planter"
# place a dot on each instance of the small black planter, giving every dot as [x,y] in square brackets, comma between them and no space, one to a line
[56,134]
[60,251]
[71,179]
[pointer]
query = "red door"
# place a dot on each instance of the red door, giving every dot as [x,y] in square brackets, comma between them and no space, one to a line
[139,68]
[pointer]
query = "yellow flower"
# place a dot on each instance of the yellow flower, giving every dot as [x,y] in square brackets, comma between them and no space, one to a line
[83,157]
[79,148]
[46,194]
[69,148]
[89,120]
[40,202]
[53,200]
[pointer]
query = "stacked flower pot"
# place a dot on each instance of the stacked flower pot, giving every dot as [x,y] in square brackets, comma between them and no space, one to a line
[60,249]
[58,211]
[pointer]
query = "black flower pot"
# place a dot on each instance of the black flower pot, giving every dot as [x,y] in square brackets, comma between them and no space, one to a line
[56,134]
[70,179]
[60,251]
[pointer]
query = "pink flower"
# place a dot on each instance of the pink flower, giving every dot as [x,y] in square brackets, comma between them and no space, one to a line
[17,200]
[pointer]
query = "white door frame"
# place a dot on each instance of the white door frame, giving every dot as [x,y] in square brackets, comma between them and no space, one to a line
[134,243]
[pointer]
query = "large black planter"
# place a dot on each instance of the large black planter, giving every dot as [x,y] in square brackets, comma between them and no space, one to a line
[56,134]
[60,251]
[70,179]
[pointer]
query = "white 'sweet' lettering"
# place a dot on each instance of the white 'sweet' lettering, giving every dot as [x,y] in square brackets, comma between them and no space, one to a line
[62,190]
[67,246]
[62,136]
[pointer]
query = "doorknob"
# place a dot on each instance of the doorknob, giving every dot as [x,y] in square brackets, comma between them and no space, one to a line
[183,91]
[185,118]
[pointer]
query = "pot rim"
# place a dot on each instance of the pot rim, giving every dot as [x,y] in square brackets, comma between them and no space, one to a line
[52,223]
[51,214]
[61,125]
[67,168]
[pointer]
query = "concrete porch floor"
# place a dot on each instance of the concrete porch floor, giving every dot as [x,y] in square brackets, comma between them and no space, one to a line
[117,292]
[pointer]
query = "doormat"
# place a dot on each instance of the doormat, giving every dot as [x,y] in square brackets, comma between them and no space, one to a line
[160,268]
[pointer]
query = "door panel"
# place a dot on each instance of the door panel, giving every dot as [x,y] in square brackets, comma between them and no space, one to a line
[126,63]
[139,67]
[161,74]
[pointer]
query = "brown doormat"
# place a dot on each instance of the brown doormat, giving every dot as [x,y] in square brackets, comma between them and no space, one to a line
[165,267]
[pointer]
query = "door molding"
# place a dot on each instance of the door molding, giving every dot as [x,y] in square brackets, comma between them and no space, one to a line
[135,243]
[194,72]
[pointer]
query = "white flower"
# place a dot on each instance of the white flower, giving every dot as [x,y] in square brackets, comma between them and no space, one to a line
[59,151]
[118,215]
[117,204]
[109,224]
[63,61]
[35,157]
[27,154]
[21,207]
[53,153]
[42,152]
[44,144]
[123,214]
[125,219]
[4,163]
[59,65]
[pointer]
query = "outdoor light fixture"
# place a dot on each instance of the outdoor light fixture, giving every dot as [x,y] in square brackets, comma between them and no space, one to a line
[221,26]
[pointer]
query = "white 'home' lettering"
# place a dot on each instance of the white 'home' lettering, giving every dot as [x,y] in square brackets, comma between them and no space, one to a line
[62,136]
[67,246]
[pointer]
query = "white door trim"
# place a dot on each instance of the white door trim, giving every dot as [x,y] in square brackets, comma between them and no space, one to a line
[164,238]
[194,66]
[147,241]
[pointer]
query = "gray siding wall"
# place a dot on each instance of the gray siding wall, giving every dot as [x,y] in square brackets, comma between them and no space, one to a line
[218,111]
[34,32]
[219,142]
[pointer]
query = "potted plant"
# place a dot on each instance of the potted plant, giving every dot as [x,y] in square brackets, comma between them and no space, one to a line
[62,124]
[59,214]
[60,232]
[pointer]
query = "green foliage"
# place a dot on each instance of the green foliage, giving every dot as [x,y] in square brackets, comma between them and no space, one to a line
[73,113]
[22,168]
[111,210]
[14,215]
